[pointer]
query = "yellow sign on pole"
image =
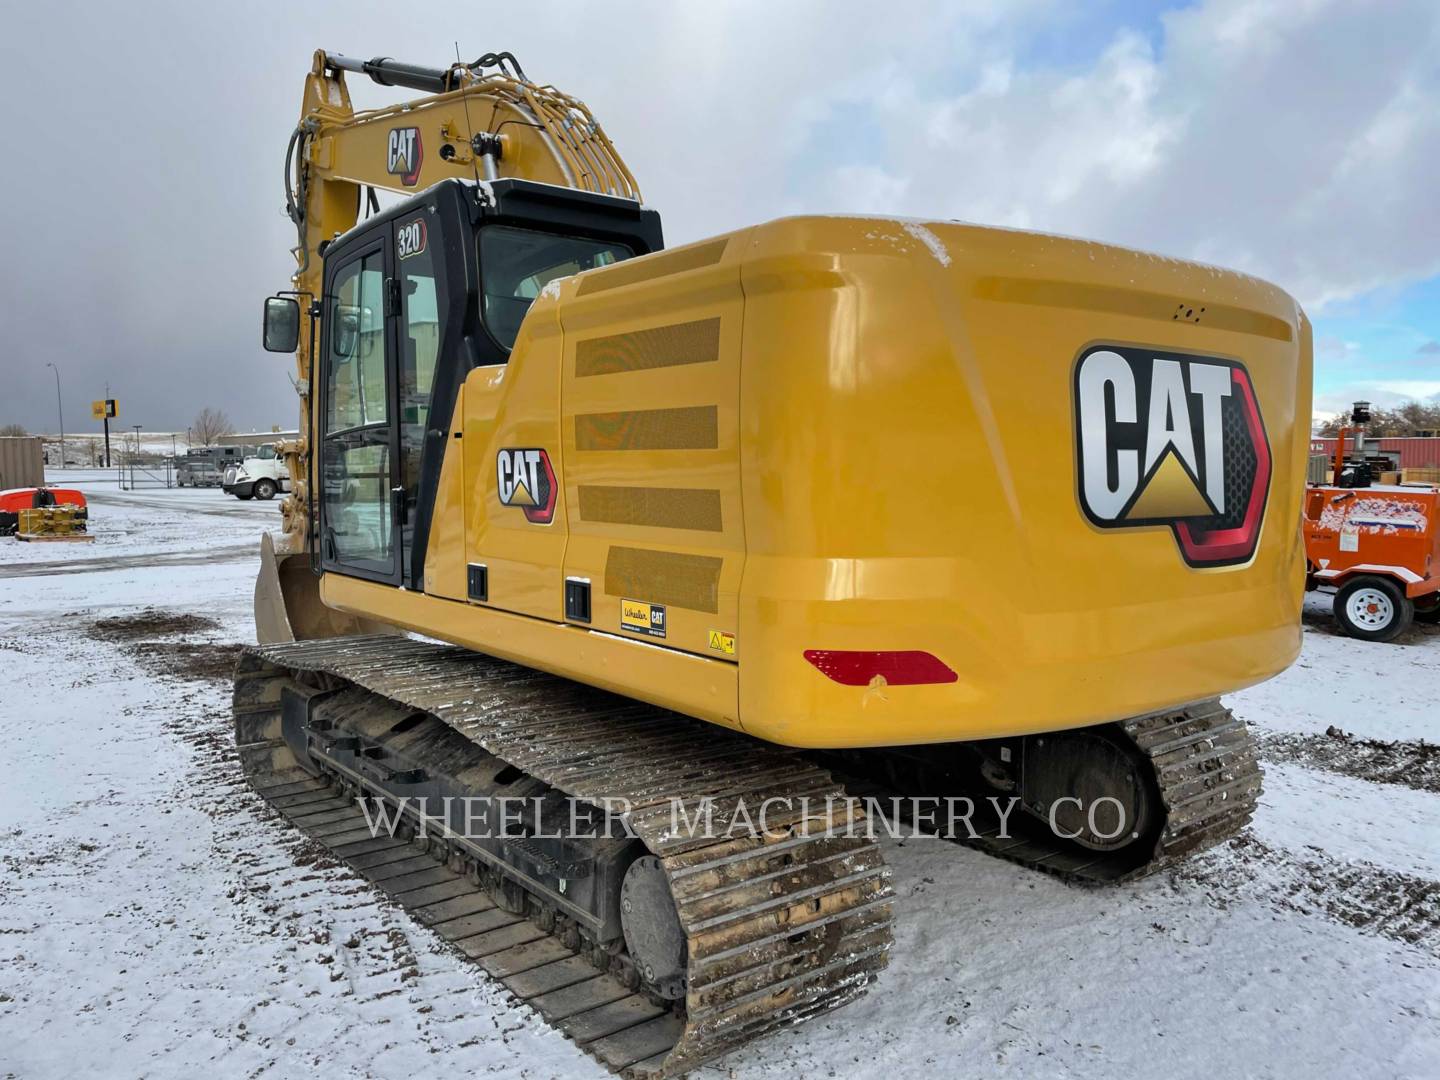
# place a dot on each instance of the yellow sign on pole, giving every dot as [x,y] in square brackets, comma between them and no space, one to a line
[104,410]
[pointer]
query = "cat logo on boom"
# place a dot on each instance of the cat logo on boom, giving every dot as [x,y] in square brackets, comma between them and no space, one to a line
[1173,440]
[404,155]
[525,479]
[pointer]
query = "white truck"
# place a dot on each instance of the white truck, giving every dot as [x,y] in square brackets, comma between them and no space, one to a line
[258,477]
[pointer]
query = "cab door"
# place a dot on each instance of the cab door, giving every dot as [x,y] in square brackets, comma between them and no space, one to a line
[358,465]
[418,300]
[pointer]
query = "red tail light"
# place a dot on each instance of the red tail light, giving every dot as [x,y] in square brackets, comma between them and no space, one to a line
[907,667]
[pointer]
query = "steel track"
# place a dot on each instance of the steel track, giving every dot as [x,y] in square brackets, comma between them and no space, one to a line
[1203,767]
[779,927]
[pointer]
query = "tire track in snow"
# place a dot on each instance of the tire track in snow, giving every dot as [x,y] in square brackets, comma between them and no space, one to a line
[1408,763]
[1374,899]
[226,553]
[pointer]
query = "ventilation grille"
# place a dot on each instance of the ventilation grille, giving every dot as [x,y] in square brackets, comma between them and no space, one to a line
[633,271]
[661,346]
[663,508]
[665,577]
[694,428]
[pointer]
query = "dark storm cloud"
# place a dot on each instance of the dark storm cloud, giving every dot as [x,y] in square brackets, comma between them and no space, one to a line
[143,195]
[143,200]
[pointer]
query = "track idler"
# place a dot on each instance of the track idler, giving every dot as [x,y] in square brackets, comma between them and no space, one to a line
[1092,786]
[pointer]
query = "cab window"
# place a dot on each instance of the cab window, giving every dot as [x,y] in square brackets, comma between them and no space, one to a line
[515,264]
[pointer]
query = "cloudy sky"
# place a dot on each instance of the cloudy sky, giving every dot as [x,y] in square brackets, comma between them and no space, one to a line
[1298,140]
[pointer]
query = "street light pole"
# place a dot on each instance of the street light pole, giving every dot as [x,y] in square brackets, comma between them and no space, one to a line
[60,408]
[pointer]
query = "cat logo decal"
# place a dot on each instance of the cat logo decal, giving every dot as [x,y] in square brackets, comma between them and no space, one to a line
[525,479]
[1172,440]
[404,154]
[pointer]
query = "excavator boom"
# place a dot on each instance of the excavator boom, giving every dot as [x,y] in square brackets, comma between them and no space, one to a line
[482,120]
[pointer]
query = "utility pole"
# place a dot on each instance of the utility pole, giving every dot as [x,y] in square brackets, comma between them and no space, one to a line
[60,407]
[135,455]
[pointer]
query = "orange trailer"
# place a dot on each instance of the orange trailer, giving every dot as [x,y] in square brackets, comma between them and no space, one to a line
[1379,548]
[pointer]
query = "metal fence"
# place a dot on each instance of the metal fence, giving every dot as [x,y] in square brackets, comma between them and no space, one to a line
[145,471]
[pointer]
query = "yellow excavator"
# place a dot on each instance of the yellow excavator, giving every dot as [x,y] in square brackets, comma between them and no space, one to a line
[820,507]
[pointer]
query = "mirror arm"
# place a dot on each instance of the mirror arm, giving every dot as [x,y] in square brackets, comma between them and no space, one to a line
[313,310]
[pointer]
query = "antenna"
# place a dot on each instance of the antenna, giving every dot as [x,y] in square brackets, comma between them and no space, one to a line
[470,128]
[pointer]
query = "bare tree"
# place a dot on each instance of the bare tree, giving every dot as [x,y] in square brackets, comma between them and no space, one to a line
[13,430]
[209,426]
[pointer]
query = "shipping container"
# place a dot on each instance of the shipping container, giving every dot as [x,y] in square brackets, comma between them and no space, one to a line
[22,461]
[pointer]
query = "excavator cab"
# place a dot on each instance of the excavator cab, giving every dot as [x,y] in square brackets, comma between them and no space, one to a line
[414,299]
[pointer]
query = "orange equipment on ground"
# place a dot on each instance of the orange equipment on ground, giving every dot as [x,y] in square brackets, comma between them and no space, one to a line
[1378,546]
[14,500]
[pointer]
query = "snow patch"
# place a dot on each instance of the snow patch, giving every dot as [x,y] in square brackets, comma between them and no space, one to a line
[930,240]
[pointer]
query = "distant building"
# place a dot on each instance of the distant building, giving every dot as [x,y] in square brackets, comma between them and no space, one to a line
[255,438]
[1416,452]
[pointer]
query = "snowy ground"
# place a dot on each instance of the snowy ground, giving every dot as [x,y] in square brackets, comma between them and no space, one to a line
[152,522]
[158,920]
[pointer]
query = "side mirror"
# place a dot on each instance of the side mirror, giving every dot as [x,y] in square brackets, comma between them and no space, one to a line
[282,324]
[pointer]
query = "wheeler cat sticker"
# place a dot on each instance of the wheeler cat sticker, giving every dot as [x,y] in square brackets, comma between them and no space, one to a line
[525,479]
[1173,440]
[641,618]
[404,154]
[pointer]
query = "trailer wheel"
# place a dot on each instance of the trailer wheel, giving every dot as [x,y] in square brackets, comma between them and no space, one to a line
[1373,609]
[265,488]
[1427,608]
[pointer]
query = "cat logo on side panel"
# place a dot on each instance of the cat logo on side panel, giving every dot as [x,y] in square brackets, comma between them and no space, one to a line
[1173,440]
[525,479]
